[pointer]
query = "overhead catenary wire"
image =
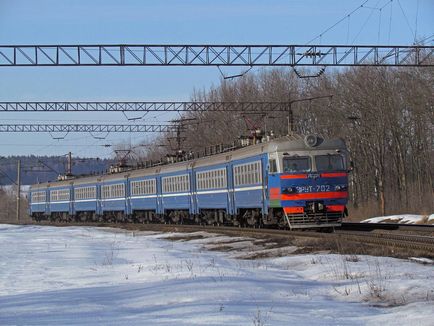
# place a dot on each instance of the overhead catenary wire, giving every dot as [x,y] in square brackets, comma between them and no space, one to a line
[415,23]
[366,21]
[390,22]
[338,22]
[406,19]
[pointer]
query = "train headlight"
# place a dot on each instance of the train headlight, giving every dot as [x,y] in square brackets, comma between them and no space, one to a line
[312,140]
[289,190]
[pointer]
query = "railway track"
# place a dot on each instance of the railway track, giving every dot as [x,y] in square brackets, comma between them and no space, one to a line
[413,244]
[420,228]
[406,241]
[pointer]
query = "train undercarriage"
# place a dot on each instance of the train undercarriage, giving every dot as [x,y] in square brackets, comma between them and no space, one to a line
[248,217]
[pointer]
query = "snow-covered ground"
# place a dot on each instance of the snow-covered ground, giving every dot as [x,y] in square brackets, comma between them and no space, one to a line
[73,275]
[11,189]
[403,219]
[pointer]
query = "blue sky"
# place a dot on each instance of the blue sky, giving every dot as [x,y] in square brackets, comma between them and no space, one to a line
[176,22]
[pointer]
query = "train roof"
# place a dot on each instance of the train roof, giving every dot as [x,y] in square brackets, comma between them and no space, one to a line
[282,144]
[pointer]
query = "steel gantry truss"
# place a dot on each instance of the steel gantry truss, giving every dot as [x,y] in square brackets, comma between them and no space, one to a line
[149,106]
[84,128]
[216,55]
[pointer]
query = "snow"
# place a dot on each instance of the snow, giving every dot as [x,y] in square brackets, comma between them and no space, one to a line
[402,219]
[422,260]
[11,188]
[83,275]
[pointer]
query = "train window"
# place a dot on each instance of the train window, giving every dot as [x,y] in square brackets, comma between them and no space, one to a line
[330,162]
[210,179]
[248,174]
[104,192]
[245,174]
[38,197]
[63,194]
[111,191]
[85,193]
[178,183]
[273,166]
[296,164]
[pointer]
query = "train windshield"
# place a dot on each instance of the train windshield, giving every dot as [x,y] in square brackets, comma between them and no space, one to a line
[329,163]
[296,164]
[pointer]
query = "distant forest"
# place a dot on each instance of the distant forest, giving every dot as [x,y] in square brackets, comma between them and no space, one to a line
[385,115]
[36,169]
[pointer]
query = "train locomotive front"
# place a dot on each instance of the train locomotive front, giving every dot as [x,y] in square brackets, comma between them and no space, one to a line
[308,182]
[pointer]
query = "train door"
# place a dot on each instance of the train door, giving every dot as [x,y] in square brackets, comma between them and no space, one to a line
[193,200]
[231,189]
[127,197]
[264,183]
[98,199]
[71,200]
[47,201]
[160,208]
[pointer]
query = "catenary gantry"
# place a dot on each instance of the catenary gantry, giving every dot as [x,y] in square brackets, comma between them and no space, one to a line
[85,128]
[150,106]
[215,55]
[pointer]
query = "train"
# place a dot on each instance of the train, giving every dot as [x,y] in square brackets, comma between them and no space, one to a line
[288,182]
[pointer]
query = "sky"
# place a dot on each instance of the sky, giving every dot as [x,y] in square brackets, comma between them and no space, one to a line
[168,22]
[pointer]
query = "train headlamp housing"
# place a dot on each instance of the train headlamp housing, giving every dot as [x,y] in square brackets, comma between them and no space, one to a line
[341,188]
[289,190]
[312,140]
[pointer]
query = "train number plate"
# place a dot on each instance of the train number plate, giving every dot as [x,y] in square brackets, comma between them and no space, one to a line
[317,188]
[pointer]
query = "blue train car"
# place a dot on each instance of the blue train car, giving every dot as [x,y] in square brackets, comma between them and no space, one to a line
[113,191]
[176,192]
[38,201]
[86,203]
[143,195]
[291,181]
[61,201]
[212,198]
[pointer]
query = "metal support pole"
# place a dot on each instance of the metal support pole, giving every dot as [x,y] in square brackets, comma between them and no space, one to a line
[18,190]
[69,168]
[290,121]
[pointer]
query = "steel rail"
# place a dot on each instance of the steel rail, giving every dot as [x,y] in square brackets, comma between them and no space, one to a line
[387,226]
[403,241]
[424,243]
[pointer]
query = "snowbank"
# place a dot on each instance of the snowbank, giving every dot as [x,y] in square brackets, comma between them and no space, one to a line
[71,275]
[402,219]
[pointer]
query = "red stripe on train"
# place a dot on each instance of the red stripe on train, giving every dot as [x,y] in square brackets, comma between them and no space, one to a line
[335,208]
[275,191]
[292,210]
[316,195]
[294,176]
[333,175]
